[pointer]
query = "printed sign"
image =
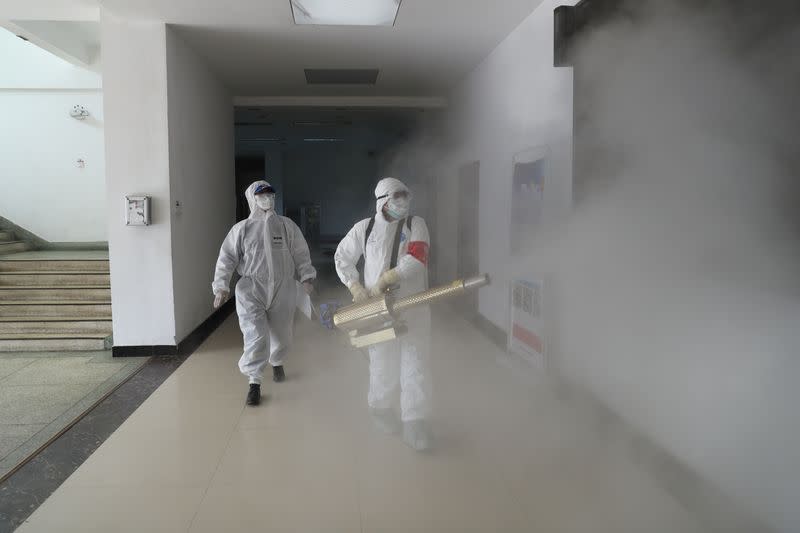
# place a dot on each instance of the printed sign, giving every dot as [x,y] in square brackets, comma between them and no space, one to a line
[526,331]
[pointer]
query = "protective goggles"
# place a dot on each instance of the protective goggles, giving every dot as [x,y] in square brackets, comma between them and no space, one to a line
[395,195]
[264,189]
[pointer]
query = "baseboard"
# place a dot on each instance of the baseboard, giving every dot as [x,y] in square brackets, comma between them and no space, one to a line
[185,347]
[484,325]
[144,351]
[99,246]
[488,328]
[194,339]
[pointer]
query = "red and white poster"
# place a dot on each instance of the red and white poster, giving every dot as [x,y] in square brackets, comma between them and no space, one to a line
[526,331]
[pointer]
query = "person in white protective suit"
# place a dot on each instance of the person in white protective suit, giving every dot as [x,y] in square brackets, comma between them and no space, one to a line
[269,252]
[394,247]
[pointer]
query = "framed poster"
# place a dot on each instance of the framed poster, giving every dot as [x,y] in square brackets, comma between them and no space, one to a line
[527,195]
[526,331]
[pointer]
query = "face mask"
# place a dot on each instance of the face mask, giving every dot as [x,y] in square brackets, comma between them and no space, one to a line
[397,208]
[265,201]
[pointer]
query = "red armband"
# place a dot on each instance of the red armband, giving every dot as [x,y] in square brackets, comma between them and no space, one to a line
[419,250]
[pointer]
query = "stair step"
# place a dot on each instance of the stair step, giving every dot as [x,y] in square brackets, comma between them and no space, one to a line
[54,295]
[68,328]
[65,318]
[65,311]
[7,236]
[32,336]
[52,344]
[12,247]
[11,264]
[54,279]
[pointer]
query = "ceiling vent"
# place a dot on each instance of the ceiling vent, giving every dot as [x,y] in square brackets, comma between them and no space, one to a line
[318,76]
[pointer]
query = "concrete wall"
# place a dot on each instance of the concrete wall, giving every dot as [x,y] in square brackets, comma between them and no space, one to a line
[201,172]
[137,162]
[40,145]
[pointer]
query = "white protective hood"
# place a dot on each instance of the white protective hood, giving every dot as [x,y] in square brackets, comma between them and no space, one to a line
[251,197]
[386,187]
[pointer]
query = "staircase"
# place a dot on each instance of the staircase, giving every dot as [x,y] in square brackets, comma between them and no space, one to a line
[8,244]
[53,300]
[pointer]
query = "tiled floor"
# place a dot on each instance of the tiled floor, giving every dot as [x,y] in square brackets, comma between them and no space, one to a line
[42,393]
[510,457]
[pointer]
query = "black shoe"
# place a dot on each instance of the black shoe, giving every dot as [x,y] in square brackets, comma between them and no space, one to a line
[254,394]
[277,374]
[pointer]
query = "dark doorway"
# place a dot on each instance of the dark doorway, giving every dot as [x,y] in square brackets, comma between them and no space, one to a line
[248,170]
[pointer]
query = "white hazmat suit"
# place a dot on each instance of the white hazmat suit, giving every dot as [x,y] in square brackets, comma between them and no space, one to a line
[269,252]
[403,361]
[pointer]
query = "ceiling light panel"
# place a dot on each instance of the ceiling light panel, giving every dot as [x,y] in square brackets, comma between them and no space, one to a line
[345,12]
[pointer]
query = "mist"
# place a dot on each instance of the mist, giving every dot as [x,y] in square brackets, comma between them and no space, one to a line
[677,276]
[674,296]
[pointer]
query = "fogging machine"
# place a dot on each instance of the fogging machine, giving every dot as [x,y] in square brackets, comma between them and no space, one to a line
[379,319]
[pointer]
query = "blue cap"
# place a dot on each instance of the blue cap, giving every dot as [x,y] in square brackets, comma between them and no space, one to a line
[264,188]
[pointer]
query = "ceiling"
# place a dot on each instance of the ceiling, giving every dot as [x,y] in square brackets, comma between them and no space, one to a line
[257,50]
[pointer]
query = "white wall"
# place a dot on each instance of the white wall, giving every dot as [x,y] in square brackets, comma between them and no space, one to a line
[40,145]
[201,172]
[340,178]
[514,100]
[137,162]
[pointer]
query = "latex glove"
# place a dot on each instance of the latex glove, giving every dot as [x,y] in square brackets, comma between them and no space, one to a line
[359,292]
[220,298]
[308,285]
[387,279]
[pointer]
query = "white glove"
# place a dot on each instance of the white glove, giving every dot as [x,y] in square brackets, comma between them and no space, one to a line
[359,292]
[220,298]
[387,279]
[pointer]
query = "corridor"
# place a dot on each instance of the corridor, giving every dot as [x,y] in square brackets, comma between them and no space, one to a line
[623,172]
[509,456]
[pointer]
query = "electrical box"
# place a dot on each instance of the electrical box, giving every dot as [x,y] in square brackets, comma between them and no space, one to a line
[137,210]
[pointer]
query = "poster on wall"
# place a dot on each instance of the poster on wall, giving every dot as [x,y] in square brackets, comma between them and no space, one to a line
[526,336]
[527,196]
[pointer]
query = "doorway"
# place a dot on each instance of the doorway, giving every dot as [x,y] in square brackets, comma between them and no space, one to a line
[248,169]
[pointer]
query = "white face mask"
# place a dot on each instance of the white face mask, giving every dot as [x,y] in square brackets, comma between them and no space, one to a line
[265,201]
[397,208]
